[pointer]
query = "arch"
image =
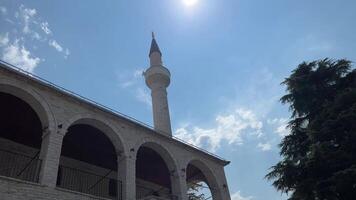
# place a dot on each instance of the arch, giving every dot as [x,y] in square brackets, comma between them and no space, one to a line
[90,152]
[28,119]
[107,128]
[35,100]
[149,146]
[164,152]
[207,176]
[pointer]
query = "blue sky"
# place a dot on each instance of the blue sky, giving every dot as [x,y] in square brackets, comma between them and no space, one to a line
[227,59]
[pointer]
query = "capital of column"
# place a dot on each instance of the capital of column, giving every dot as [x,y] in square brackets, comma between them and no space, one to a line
[45,132]
[125,158]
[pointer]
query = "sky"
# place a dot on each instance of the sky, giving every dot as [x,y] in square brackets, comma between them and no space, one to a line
[227,59]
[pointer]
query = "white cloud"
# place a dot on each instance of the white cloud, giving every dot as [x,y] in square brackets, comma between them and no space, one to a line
[229,128]
[54,44]
[322,47]
[27,15]
[45,28]
[143,96]
[138,73]
[29,27]
[281,126]
[3,10]
[9,21]
[4,39]
[127,83]
[132,81]
[237,196]
[264,146]
[19,56]
[36,35]
[66,53]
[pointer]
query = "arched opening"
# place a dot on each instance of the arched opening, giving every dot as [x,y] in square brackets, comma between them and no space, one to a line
[20,138]
[153,173]
[198,185]
[88,162]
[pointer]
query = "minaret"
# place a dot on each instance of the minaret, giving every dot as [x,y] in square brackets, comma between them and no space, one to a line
[158,79]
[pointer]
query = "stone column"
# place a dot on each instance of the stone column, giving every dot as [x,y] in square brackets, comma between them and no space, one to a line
[127,175]
[179,185]
[182,185]
[50,154]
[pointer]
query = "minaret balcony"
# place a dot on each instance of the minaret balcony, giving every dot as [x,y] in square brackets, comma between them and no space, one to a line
[157,75]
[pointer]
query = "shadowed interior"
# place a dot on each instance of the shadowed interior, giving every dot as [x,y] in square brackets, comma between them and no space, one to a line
[151,167]
[88,144]
[194,174]
[19,122]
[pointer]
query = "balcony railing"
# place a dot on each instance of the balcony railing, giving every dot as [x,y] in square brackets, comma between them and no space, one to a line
[89,183]
[143,192]
[19,166]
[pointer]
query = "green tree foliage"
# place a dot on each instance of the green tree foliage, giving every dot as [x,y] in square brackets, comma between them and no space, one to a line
[319,155]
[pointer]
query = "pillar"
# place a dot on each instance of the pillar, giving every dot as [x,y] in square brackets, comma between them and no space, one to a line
[127,175]
[181,191]
[50,155]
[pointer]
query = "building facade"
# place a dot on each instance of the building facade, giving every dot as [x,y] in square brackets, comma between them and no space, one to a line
[55,144]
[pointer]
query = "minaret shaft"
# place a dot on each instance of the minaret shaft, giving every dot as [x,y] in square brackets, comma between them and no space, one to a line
[160,109]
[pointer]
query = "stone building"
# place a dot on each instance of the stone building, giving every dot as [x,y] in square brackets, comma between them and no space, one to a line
[55,144]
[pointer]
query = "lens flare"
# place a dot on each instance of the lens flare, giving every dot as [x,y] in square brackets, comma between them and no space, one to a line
[190,2]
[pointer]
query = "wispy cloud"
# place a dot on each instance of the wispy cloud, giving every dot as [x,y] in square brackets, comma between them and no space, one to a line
[132,81]
[237,196]
[45,28]
[30,31]
[54,44]
[143,96]
[3,10]
[4,39]
[128,79]
[18,55]
[264,146]
[229,127]
[310,46]
[27,15]
[280,126]
[66,53]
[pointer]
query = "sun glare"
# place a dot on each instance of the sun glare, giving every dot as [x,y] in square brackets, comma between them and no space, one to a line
[190,2]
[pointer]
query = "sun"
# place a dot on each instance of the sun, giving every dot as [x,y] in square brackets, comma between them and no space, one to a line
[190,3]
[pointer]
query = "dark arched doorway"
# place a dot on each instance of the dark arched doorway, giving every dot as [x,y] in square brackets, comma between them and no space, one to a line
[20,139]
[153,177]
[88,162]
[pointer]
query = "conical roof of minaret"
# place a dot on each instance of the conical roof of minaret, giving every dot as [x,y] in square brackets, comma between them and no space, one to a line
[154,46]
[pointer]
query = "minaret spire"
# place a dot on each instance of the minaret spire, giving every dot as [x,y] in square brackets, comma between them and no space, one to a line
[158,79]
[154,46]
